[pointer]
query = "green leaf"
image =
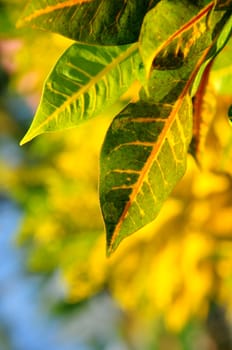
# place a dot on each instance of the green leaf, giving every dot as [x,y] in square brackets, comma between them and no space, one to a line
[144,153]
[143,157]
[104,22]
[85,81]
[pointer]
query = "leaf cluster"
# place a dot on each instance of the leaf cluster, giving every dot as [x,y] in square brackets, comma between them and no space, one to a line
[162,52]
[175,265]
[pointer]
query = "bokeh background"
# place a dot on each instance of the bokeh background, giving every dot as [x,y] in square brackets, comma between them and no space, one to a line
[169,286]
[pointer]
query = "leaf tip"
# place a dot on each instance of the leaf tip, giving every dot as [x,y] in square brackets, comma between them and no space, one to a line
[112,245]
[22,142]
[114,236]
[28,137]
[108,252]
[110,249]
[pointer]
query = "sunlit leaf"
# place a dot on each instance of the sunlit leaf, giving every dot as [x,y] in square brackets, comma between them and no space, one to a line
[143,156]
[94,21]
[85,81]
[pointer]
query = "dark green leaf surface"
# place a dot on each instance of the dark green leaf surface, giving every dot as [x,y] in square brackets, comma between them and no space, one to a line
[85,81]
[143,157]
[104,22]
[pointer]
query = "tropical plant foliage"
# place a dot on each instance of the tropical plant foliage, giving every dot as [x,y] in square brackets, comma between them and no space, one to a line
[165,47]
[162,100]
